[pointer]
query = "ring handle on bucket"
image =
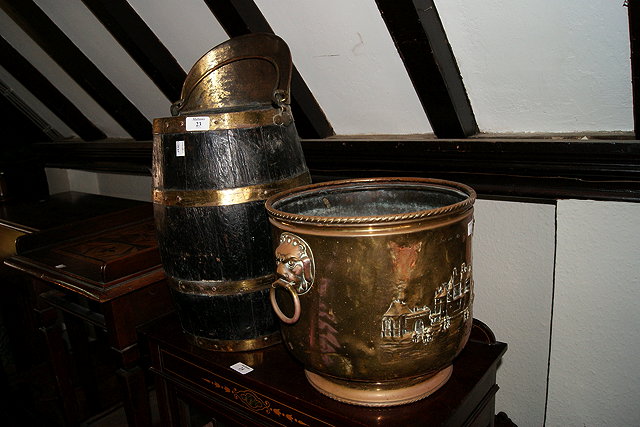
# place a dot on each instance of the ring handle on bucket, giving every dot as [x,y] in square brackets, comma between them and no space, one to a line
[296,302]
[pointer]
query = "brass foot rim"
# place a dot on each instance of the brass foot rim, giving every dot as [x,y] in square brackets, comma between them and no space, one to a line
[371,394]
[235,345]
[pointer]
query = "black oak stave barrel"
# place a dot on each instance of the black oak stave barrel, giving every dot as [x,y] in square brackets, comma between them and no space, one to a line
[212,172]
[213,228]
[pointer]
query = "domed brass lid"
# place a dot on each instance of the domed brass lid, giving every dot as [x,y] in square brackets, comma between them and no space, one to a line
[250,72]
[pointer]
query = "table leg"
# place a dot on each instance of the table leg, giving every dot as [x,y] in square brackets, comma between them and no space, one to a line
[60,363]
[162,390]
[124,342]
[135,394]
[78,340]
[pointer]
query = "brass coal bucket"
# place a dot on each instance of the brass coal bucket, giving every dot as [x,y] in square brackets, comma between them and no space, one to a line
[230,144]
[374,285]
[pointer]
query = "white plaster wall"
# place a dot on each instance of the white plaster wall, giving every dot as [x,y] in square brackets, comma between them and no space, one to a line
[128,187]
[594,375]
[58,180]
[513,256]
[543,66]
[85,182]
[347,58]
[134,187]
[187,28]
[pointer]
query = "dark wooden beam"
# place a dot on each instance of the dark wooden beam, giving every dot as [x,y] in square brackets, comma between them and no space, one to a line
[47,93]
[239,17]
[530,168]
[419,36]
[535,169]
[20,130]
[22,175]
[634,35]
[61,49]
[133,34]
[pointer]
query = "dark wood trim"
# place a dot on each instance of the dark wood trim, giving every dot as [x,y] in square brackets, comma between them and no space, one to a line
[634,36]
[62,50]
[47,93]
[117,156]
[530,168]
[239,17]
[419,36]
[133,34]
[496,167]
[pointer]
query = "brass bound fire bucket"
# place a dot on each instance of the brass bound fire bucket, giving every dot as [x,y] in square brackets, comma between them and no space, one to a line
[230,145]
[374,286]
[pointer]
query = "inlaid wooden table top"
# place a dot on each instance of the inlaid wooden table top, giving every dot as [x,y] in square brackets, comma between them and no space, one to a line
[276,388]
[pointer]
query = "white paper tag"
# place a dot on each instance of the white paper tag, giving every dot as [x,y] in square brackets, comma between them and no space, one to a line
[196,123]
[179,148]
[242,368]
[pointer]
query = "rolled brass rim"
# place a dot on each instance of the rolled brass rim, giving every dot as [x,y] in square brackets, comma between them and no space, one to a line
[220,287]
[372,219]
[227,196]
[221,121]
[235,345]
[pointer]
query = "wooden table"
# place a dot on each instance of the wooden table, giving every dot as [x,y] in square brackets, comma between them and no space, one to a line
[60,210]
[107,274]
[27,224]
[196,387]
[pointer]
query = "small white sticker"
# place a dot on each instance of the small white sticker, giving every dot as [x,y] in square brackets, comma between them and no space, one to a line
[179,148]
[470,228]
[197,123]
[242,368]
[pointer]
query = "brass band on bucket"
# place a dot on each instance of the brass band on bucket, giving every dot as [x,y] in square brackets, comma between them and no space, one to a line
[227,196]
[235,345]
[223,121]
[221,287]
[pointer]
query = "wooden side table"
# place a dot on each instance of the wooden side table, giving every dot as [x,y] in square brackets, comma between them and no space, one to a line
[196,387]
[61,209]
[28,224]
[117,270]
